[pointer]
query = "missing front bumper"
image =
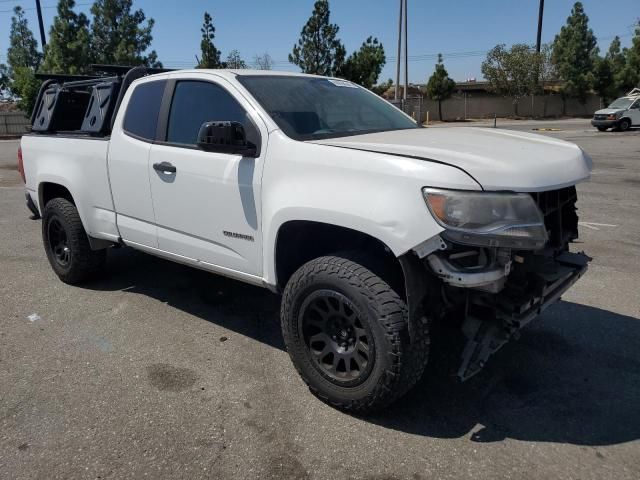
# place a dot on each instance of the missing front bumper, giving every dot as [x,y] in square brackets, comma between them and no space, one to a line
[490,279]
[487,336]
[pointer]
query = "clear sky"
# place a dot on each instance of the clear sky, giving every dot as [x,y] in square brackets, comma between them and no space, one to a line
[463,30]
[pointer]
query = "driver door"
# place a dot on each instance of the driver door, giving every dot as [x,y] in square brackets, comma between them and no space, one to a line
[207,204]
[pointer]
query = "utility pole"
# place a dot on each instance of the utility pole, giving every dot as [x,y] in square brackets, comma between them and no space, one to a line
[40,22]
[540,13]
[397,91]
[406,54]
[538,45]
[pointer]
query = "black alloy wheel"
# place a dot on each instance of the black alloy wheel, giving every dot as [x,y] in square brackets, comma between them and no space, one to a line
[624,125]
[58,243]
[340,346]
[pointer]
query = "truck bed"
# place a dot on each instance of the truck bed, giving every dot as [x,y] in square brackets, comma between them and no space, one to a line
[77,160]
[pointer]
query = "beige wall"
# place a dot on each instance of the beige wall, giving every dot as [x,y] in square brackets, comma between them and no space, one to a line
[483,105]
[14,123]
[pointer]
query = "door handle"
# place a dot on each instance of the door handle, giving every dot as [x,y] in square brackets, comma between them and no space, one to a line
[164,167]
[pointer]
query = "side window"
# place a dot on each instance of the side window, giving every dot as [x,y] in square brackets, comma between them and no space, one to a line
[141,119]
[196,102]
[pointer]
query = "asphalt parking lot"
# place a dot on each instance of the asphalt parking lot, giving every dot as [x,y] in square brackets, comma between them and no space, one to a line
[160,371]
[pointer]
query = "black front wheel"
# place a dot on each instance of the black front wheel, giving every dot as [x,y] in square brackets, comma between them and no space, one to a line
[624,125]
[66,243]
[602,129]
[346,332]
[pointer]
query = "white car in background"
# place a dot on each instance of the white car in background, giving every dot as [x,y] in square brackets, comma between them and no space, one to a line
[622,114]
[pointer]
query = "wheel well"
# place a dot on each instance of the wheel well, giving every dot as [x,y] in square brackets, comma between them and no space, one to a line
[49,191]
[300,241]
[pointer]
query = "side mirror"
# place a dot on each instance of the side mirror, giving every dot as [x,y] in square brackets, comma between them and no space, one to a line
[225,137]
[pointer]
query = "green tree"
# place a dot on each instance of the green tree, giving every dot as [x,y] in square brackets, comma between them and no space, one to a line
[603,81]
[545,68]
[383,87]
[318,50]
[574,53]
[440,86]
[234,60]
[210,54]
[25,84]
[512,72]
[23,47]
[546,72]
[617,61]
[4,79]
[68,47]
[364,66]
[23,59]
[630,75]
[120,36]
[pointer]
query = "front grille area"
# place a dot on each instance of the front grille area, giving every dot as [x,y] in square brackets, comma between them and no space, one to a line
[600,117]
[560,218]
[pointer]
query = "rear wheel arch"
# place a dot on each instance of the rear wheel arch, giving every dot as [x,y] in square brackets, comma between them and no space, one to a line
[47,191]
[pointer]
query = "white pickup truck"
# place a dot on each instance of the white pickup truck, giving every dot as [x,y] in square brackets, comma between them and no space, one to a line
[373,229]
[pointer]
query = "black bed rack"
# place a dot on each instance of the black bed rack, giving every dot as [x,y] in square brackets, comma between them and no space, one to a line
[105,72]
[84,103]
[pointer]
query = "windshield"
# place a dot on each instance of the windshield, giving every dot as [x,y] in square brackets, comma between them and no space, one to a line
[621,103]
[308,108]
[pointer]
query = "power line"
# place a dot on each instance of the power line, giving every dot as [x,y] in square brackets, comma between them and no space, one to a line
[45,7]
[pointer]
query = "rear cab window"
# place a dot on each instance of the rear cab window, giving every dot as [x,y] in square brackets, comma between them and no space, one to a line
[143,109]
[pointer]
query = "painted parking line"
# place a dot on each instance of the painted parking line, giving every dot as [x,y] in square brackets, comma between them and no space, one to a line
[594,226]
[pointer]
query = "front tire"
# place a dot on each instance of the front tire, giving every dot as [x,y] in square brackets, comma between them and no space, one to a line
[602,129]
[346,332]
[624,125]
[66,243]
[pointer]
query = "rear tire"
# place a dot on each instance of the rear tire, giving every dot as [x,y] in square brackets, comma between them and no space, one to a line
[66,243]
[346,332]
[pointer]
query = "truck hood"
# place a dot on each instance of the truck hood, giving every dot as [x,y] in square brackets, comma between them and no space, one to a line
[497,159]
[609,111]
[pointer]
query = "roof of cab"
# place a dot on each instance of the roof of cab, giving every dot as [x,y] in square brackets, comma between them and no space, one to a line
[225,72]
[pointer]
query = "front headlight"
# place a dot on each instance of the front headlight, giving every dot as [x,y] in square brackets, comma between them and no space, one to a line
[488,218]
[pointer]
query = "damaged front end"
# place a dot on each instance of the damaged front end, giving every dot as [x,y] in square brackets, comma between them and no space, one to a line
[498,283]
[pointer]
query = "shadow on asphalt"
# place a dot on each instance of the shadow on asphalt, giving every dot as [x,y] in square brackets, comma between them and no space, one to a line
[236,306]
[573,377]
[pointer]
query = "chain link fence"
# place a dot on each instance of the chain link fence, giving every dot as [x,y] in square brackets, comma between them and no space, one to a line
[412,106]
